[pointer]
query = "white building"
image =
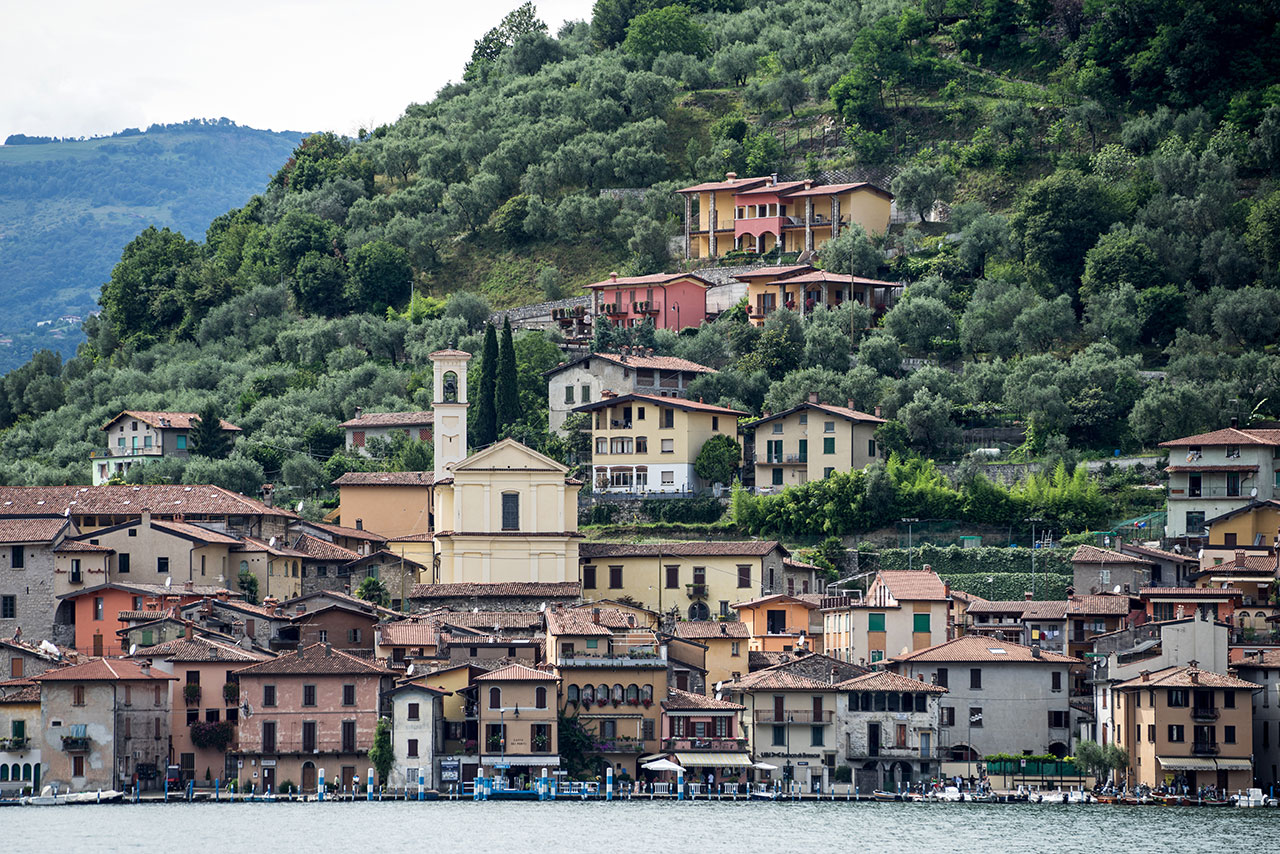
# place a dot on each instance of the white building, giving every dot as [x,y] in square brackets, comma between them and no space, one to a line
[586,379]
[417,734]
[136,436]
[415,426]
[1214,473]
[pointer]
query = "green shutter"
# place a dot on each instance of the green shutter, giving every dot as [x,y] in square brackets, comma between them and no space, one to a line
[920,623]
[875,622]
[829,445]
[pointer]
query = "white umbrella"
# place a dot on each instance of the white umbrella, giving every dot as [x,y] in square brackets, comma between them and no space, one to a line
[661,765]
[765,766]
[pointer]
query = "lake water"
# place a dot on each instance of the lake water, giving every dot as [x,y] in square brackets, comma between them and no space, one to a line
[622,828]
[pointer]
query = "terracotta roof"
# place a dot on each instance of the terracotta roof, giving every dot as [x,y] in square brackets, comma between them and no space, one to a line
[685,701]
[811,601]
[711,629]
[715,548]
[970,599]
[253,544]
[81,546]
[176,420]
[792,563]
[727,184]
[999,606]
[409,633]
[1227,436]
[103,670]
[1048,610]
[318,659]
[780,188]
[349,533]
[1093,554]
[1264,658]
[779,680]
[1157,553]
[1190,592]
[30,530]
[319,549]
[641,281]
[518,673]
[975,648]
[673,402]
[840,411]
[1101,604]
[239,605]
[657,363]
[19,691]
[178,591]
[129,616]
[390,419]
[186,529]
[490,619]
[1242,565]
[528,589]
[913,584]
[162,500]
[580,622]
[386,478]
[834,189]
[775,272]
[1180,677]
[197,649]
[424,537]
[884,680]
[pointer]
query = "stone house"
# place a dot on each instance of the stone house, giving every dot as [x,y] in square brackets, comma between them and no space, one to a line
[417,733]
[27,587]
[22,660]
[1095,570]
[887,730]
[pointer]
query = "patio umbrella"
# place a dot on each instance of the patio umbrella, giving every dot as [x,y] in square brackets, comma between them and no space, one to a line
[662,765]
[765,766]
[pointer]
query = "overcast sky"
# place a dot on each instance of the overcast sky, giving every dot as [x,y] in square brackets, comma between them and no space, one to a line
[86,67]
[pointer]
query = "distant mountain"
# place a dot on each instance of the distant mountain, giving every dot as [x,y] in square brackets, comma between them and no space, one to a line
[68,207]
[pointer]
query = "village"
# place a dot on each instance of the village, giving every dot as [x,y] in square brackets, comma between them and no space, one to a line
[506,650]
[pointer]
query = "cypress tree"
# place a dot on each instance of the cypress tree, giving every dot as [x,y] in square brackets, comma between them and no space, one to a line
[507,394]
[486,426]
[207,438]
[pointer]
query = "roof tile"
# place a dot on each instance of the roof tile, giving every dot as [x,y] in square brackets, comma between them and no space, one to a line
[974,648]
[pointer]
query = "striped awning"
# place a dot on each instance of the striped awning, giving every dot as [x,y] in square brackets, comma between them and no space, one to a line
[714,760]
[551,761]
[1200,763]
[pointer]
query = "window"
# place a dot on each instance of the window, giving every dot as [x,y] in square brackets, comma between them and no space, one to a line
[975,679]
[97,607]
[589,578]
[1228,699]
[269,736]
[602,446]
[353,636]
[323,634]
[348,695]
[414,711]
[700,576]
[920,623]
[871,447]
[412,751]
[875,622]
[77,695]
[673,576]
[18,557]
[123,562]
[828,471]
[1151,732]
[1059,720]
[615,577]
[586,393]
[642,444]
[308,695]
[828,444]
[77,766]
[735,648]
[1177,698]
[744,575]
[779,735]
[1195,519]
[715,422]
[9,607]
[495,697]
[646,728]
[668,446]
[1229,734]
[510,511]
[540,697]
[162,564]
[666,417]
[568,394]
[776,478]
[815,736]
[975,716]
[948,716]
[159,697]
[1056,680]
[668,477]
[1176,732]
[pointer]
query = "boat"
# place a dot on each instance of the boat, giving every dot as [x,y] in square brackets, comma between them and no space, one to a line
[886,796]
[1253,798]
[94,797]
[950,794]
[48,797]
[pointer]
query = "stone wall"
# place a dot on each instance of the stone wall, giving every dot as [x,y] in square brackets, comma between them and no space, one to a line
[32,588]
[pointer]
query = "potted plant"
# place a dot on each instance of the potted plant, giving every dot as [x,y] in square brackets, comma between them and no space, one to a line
[191,693]
[231,693]
[646,702]
[602,702]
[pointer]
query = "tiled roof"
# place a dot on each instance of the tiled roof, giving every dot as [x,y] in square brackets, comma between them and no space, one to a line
[253,544]
[684,701]
[658,363]
[1180,677]
[782,187]
[776,272]
[320,549]
[1263,658]
[811,601]
[642,281]
[1027,610]
[733,183]
[1240,565]
[423,537]
[792,563]
[490,619]
[883,680]
[580,622]
[835,189]
[349,533]
[163,499]
[449,351]
[81,546]
[518,673]
[1093,554]
[974,648]
[409,633]
[1227,436]
[19,691]
[318,659]
[30,530]
[758,660]
[1101,604]
[147,616]
[1190,592]
[390,419]
[197,649]
[1157,553]
[179,591]
[1212,467]
[186,529]
[527,589]
[102,670]
[779,680]
[913,584]
[673,402]
[840,411]
[178,420]
[1049,610]
[710,629]
[386,478]
[998,606]
[751,548]
[970,599]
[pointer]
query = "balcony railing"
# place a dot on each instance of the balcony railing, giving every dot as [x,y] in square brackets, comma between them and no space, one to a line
[799,716]
[614,308]
[651,656]
[75,743]
[1204,713]
[895,751]
[696,591]
[286,743]
[15,743]
[1204,748]
[719,744]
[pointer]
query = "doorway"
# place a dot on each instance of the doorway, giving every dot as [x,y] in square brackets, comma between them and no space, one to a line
[268,779]
[308,776]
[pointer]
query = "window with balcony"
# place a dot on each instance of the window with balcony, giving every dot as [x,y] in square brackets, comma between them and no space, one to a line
[1193,485]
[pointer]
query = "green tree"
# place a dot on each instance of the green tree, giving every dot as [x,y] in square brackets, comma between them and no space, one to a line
[916,321]
[486,426]
[141,300]
[373,590]
[1119,257]
[852,253]
[927,419]
[519,21]
[207,437]
[381,276]
[1262,236]
[248,584]
[1059,218]
[507,388]
[883,353]
[382,754]
[319,284]
[919,186]
[669,29]
[717,461]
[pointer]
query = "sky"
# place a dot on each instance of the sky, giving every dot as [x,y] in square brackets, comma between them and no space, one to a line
[85,67]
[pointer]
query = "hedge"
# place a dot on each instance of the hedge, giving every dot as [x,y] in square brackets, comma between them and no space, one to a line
[984,560]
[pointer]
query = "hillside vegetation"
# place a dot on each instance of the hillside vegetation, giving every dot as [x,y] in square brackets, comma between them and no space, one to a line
[1108,170]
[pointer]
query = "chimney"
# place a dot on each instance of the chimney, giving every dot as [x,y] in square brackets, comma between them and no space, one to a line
[146,517]
[928,567]
[773,179]
[1195,676]
[877,412]
[731,176]
[1235,422]
[613,277]
[187,631]
[269,602]
[849,403]
[328,649]
[299,608]
[1027,596]
[359,411]
[595,616]
[1239,558]
[188,586]
[145,667]
[268,491]
[1035,651]
[1146,675]
[813,397]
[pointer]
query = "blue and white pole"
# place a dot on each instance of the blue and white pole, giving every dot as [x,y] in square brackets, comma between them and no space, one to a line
[680,785]
[422,785]
[369,789]
[608,782]
[320,786]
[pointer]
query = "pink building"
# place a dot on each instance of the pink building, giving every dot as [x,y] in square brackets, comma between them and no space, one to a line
[672,300]
[704,734]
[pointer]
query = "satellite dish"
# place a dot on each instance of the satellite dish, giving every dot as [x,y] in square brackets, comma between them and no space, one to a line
[133,649]
[719,686]
[299,510]
[168,582]
[272,542]
[409,670]
[67,511]
[1116,589]
[1253,493]
[542,606]
[1200,554]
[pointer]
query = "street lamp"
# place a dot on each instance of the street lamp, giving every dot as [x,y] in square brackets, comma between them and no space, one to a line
[909,522]
[972,718]
[1033,520]
[788,773]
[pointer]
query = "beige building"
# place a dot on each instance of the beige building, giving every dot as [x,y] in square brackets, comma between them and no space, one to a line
[1184,726]
[386,426]
[790,723]
[587,378]
[902,611]
[810,441]
[135,437]
[517,715]
[392,504]
[643,444]
[727,644]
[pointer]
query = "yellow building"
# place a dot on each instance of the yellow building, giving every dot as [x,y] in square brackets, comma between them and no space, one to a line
[1183,726]
[517,717]
[642,444]
[810,441]
[696,580]
[782,623]
[902,611]
[790,722]
[727,643]
[391,503]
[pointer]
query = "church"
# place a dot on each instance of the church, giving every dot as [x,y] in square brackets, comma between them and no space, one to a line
[504,513]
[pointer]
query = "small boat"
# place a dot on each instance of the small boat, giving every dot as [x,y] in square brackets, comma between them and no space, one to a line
[94,797]
[886,796]
[47,798]
[1253,798]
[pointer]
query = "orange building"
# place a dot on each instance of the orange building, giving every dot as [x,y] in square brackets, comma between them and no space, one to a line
[783,623]
[99,613]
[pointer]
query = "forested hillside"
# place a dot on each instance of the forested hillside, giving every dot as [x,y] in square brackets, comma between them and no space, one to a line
[1104,274]
[67,207]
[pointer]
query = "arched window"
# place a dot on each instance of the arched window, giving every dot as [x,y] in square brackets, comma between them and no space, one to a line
[540,697]
[617,694]
[510,511]
[699,611]
[571,694]
[602,694]
[646,694]
[4,773]
[633,694]
[26,771]
[495,697]
[244,566]
[588,694]
[450,387]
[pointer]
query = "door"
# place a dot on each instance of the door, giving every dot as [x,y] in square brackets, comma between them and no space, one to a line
[873,739]
[308,777]
[97,646]
[268,779]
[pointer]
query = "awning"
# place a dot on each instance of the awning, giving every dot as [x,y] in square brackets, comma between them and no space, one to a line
[653,756]
[1197,763]
[714,760]
[611,716]
[552,761]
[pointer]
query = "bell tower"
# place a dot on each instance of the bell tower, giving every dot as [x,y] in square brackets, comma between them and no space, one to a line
[449,404]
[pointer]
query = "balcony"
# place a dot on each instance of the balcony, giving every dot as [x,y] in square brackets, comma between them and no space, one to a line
[717,744]
[613,309]
[1204,748]
[75,743]
[293,743]
[893,752]
[618,654]
[1204,713]
[14,744]
[787,459]
[696,591]
[108,453]
[799,716]
[644,307]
